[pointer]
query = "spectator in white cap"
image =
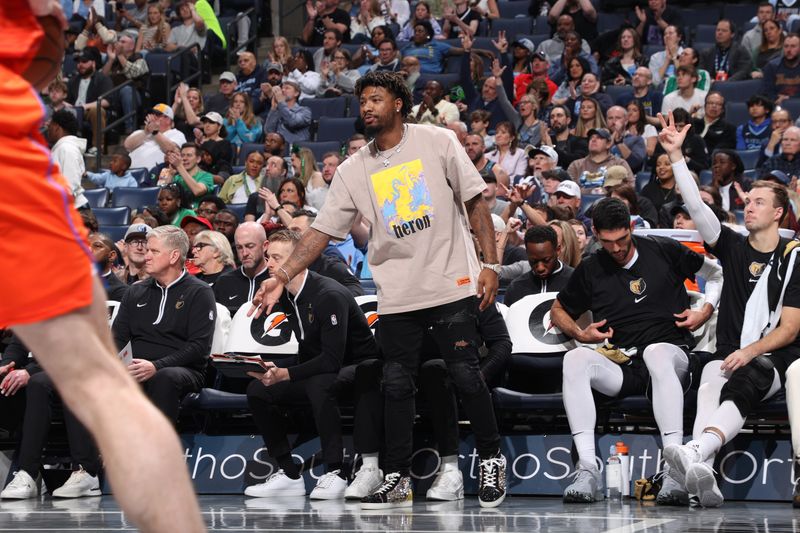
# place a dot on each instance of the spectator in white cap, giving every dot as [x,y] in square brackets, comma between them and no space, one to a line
[158,136]
[134,247]
[540,159]
[568,194]
[227,87]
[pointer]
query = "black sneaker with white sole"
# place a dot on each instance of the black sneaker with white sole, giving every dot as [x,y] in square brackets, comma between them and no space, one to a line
[395,492]
[492,481]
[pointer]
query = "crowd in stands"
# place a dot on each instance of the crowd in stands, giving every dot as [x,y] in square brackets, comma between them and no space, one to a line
[553,120]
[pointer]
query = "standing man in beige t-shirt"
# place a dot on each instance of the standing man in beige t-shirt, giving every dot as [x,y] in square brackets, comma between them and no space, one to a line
[420,192]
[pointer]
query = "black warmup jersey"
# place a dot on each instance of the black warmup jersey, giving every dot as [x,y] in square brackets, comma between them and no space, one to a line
[638,303]
[234,288]
[529,283]
[741,268]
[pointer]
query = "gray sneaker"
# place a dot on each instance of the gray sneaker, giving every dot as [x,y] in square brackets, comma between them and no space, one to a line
[679,457]
[587,486]
[672,492]
[701,482]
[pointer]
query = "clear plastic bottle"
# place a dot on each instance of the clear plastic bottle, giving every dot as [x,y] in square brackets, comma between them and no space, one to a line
[625,469]
[613,475]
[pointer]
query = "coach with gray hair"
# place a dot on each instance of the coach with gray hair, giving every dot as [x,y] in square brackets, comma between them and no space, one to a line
[169,321]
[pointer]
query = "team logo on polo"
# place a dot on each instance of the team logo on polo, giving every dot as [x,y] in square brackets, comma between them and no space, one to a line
[540,325]
[637,286]
[756,268]
[271,330]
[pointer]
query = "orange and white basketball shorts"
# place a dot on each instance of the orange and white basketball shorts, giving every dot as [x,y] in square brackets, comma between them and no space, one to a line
[46,266]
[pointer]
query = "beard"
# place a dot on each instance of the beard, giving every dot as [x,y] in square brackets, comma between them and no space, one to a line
[558,129]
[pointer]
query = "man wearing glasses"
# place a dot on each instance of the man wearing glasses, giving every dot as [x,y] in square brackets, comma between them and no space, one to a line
[135,248]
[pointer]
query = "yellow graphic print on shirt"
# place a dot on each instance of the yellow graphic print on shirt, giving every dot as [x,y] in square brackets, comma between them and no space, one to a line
[404,198]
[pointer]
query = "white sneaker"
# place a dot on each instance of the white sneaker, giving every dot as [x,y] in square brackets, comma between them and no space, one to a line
[367,481]
[278,484]
[329,487]
[80,484]
[680,457]
[701,482]
[448,486]
[21,487]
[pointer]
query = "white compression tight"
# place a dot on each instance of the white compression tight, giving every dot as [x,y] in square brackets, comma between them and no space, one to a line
[725,416]
[793,403]
[585,369]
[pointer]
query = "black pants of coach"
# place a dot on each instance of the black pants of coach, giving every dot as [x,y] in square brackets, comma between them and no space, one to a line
[270,403]
[169,385]
[41,396]
[362,383]
[454,326]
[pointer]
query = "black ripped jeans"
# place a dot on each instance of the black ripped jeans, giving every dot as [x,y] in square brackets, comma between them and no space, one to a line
[454,326]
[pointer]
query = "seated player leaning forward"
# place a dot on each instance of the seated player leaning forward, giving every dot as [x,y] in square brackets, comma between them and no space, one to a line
[333,333]
[634,288]
[757,327]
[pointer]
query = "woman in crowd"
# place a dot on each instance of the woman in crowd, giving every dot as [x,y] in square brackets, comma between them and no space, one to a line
[238,188]
[664,63]
[215,158]
[580,233]
[619,69]
[242,124]
[525,118]
[212,254]
[627,194]
[590,88]
[572,49]
[507,153]
[293,191]
[337,76]
[771,46]
[304,165]
[187,107]
[570,251]
[170,201]
[430,52]
[637,125]
[367,19]
[589,117]
[571,86]
[212,129]
[281,52]
[154,33]
[422,11]
[661,189]
[521,57]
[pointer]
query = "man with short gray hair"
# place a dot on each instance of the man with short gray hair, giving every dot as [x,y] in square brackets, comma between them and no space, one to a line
[168,320]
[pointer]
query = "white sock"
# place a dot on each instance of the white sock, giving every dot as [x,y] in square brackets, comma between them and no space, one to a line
[449,462]
[584,445]
[370,460]
[708,444]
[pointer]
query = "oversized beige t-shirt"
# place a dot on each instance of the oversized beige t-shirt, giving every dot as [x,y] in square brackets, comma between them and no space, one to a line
[420,250]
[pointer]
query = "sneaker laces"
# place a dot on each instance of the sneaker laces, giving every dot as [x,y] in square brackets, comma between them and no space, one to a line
[275,476]
[327,480]
[77,475]
[489,469]
[388,483]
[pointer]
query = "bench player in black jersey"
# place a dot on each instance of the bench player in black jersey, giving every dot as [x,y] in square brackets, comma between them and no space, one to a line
[634,287]
[757,326]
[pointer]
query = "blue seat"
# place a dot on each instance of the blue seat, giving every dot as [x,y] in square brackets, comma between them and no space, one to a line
[642,179]
[609,21]
[247,149]
[510,9]
[512,27]
[353,105]
[588,199]
[705,177]
[704,33]
[739,214]
[112,216]
[140,173]
[115,233]
[135,198]
[239,209]
[215,400]
[97,197]
[740,14]
[749,158]
[237,168]
[737,91]
[617,91]
[510,400]
[326,107]
[335,129]
[736,113]
[792,105]
[320,148]
[707,15]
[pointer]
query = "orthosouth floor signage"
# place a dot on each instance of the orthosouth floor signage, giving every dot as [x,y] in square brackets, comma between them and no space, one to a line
[751,467]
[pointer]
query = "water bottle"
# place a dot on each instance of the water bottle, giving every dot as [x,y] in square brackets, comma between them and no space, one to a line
[625,469]
[613,475]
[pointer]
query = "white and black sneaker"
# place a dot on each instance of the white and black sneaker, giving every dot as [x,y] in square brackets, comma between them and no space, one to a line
[492,481]
[395,492]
